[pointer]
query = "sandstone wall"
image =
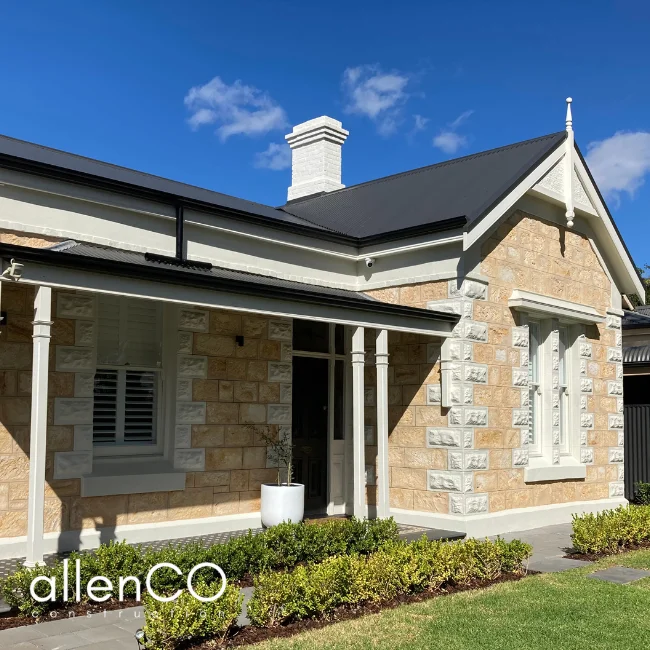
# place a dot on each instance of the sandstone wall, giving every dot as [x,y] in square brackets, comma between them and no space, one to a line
[237,392]
[470,458]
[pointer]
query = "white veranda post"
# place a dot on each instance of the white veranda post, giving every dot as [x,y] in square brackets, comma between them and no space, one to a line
[358,439]
[381,360]
[38,430]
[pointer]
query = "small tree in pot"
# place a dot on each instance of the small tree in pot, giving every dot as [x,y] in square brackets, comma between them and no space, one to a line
[281,501]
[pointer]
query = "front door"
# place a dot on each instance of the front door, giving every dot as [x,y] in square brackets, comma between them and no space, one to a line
[310,429]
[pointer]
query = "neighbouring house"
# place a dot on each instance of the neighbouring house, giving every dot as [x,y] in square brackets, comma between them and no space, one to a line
[443,345]
[636,389]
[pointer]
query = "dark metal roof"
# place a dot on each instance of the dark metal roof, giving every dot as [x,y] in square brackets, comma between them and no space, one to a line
[639,354]
[13,150]
[465,187]
[157,268]
[637,319]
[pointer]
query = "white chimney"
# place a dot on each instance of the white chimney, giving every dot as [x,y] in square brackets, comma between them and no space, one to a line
[316,157]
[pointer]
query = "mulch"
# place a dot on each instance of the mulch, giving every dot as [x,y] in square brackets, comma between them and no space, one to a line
[593,557]
[250,635]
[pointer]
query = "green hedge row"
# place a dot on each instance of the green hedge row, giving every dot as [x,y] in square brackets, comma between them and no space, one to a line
[315,590]
[279,547]
[611,531]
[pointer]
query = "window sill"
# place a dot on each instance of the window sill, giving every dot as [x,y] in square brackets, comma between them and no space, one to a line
[131,478]
[540,470]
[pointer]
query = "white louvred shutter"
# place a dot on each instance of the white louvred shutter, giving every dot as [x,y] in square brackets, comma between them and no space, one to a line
[105,415]
[140,391]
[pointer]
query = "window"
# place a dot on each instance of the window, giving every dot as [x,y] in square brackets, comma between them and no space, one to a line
[128,378]
[549,371]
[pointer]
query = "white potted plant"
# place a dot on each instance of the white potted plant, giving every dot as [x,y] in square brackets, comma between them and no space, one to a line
[281,501]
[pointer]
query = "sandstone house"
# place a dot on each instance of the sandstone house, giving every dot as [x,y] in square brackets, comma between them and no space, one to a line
[443,345]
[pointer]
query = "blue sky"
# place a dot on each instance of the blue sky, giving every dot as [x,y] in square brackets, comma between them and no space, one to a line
[203,92]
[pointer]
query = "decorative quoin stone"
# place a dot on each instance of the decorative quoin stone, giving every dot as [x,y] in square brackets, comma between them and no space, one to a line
[477,417]
[519,417]
[192,366]
[183,436]
[616,489]
[75,305]
[84,333]
[191,460]
[614,354]
[587,420]
[185,340]
[279,414]
[616,421]
[84,384]
[614,388]
[444,438]
[73,410]
[476,373]
[586,455]
[279,371]
[586,385]
[474,331]
[434,394]
[72,464]
[615,455]
[444,481]
[286,393]
[280,330]
[520,377]
[195,320]
[520,337]
[190,412]
[184,390]
[83,437]
[519,457]
[74,359]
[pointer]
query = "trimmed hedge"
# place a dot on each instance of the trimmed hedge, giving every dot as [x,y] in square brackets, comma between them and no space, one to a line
[279,547]
[611,531]
[401,568]
[169,625]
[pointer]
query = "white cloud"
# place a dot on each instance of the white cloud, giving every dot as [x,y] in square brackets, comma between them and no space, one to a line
[276,157]
[420,122]
[460,119]
[620,163]
[449,142]
[376,94]
[236,109]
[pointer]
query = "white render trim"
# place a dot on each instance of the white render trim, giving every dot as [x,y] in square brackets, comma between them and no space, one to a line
[492,217]
[568,469]
[505,521]
[131,478]
[34,549]
[90,538]
[212,299]
[535,303]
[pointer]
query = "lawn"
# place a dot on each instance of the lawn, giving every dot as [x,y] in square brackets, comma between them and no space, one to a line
[565,611]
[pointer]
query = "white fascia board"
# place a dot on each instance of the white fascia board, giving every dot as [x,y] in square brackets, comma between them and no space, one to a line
[535,303]
[609,238]
[65,278]
[490,220]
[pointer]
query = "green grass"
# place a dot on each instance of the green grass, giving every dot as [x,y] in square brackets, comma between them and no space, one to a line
[564,611]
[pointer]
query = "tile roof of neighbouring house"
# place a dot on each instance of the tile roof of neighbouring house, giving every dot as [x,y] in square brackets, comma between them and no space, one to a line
[636,319]
[464,187]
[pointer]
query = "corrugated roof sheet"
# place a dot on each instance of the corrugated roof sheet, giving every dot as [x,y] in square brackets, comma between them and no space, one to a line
[637,354]
[465,187]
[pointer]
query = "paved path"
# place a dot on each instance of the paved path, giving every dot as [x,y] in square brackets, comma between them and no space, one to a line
[115,630]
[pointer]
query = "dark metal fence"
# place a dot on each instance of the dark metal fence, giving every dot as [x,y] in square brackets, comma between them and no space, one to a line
[637,446]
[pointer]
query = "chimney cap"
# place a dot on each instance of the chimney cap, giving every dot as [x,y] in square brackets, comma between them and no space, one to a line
[320,128]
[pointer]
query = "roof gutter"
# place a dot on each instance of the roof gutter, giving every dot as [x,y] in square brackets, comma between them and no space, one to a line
[182,277]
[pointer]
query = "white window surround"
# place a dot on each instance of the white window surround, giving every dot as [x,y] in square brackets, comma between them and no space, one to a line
[125,473]
[555,320]
[542,306]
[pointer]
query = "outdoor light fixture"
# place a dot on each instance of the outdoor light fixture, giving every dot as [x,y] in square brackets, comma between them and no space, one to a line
[239,340]
[140,637]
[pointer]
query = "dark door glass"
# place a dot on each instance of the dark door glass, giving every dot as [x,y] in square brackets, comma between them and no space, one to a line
[339,413]
[310,336]
[339,339]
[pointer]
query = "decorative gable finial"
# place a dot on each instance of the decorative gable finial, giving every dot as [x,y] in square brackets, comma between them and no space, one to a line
[568,168]
[569,117]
